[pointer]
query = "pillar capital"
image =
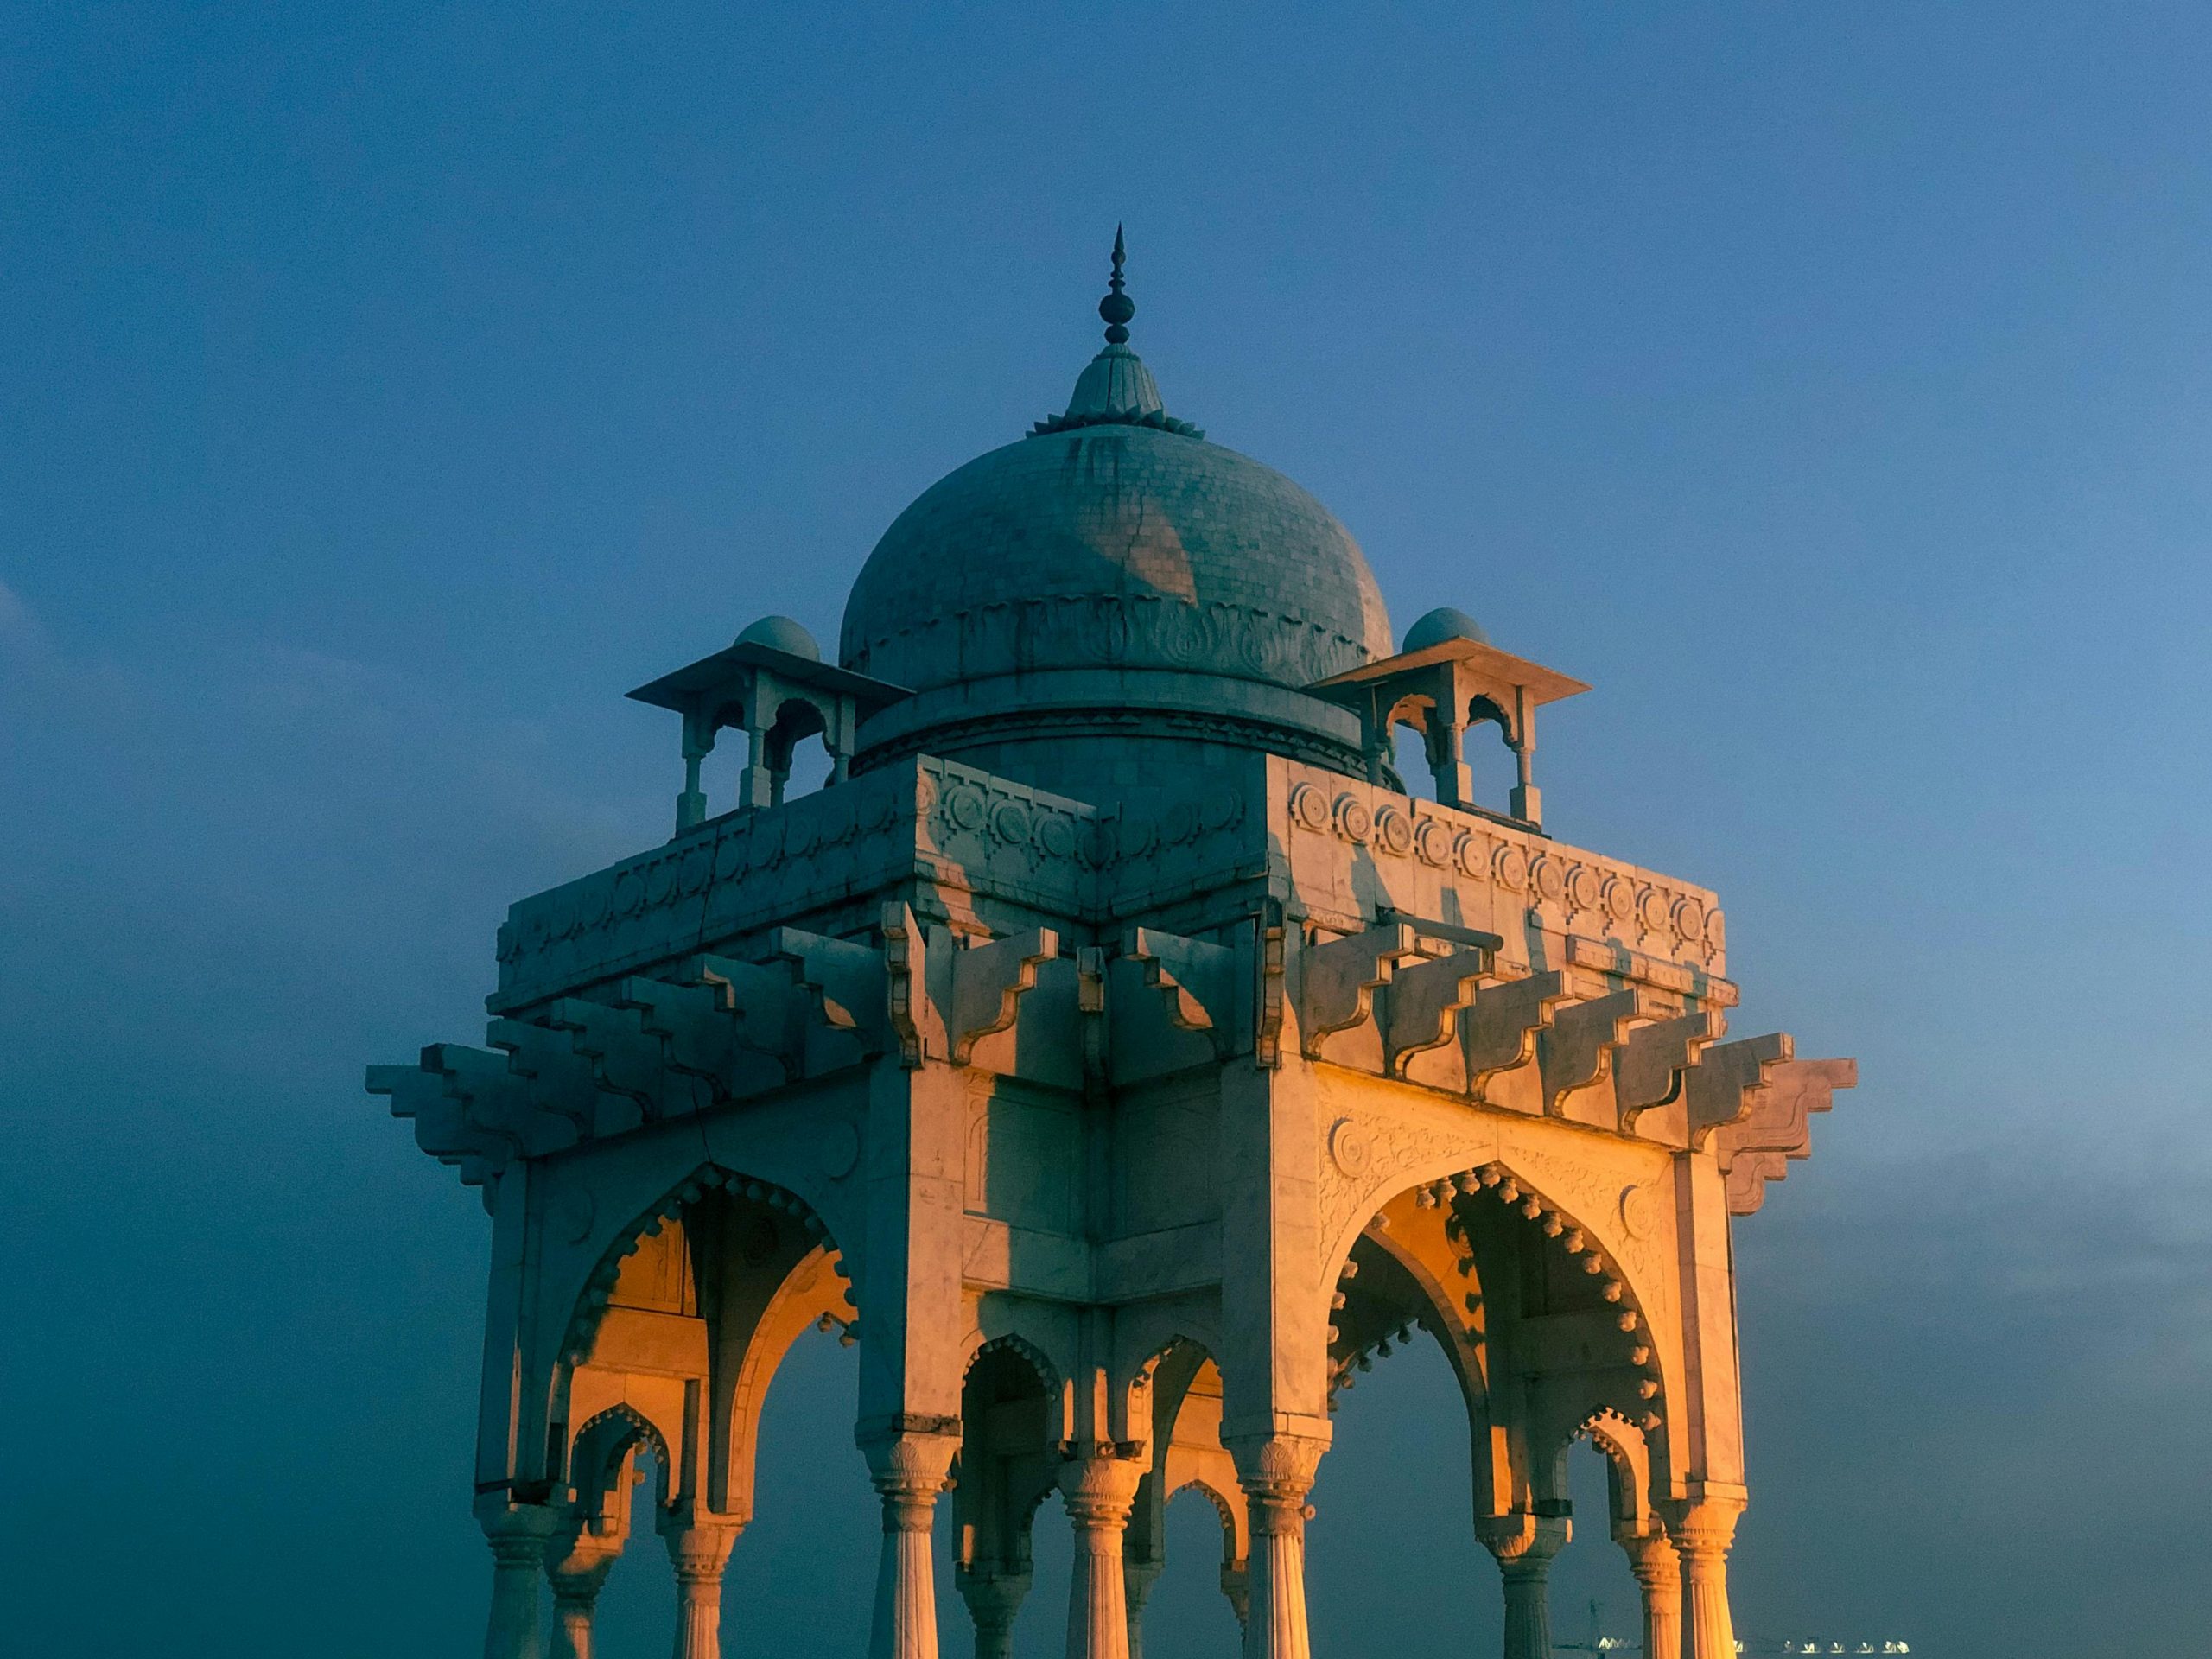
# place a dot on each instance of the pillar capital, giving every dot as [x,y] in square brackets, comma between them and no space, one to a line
[1651,1557]
[909,1460]
[1523,1543]
[1101,1488]
[993,1600]
[1705,1525]
[518,1531]
[699,1550]
[1277,1471]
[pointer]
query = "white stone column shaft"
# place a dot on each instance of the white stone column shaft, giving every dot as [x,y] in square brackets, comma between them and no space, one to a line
[518,1535]
[1099,1491]
[909,1471]
[1276,1473]
[1701,1532]
[1524,1546]
[1658,1572]
[699,1554]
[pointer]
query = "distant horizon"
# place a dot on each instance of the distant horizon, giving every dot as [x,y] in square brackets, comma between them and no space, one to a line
[389,393]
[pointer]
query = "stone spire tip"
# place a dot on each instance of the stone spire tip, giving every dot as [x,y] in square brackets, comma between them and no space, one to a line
[1118,307]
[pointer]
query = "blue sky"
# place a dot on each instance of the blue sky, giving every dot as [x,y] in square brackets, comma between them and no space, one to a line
[385,391]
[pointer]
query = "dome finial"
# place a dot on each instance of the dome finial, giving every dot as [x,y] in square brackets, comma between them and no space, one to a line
[1118,307]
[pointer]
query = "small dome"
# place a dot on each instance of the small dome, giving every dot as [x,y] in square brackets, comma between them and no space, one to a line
[781,633]
[1441,623]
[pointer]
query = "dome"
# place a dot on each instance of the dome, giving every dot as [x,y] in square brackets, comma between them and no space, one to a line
[1112,572]
[781,633]
[1441,623]
[1114,546]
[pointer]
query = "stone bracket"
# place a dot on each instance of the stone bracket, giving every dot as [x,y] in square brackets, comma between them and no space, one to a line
[1338,980]
[624,1056]
[1504,1022]
[989,981]
[1649,1069]
[1718,1090]
[1195,981]
[915,1023]
[1425,1000]
[1578,1050]
[1776,1128]
[846,981]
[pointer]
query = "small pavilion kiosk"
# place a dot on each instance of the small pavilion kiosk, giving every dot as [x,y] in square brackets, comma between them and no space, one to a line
[1124,1057]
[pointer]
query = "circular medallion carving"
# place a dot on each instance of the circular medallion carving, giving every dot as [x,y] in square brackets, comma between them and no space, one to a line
[1511,868]
[1620,899]
[1221,808]
[1716,930]
[766,841]
[1471,853]
[1433,842]
[1393,833]
[1547,878]
[965,806]
[698,869]
[882,810]
[799,833]
[1010,822]
[730,858]
[1309,807]
[1181,824]
[838,1150]
[1056,835]
[1689,919]
[629,895]
[1351,1148]
[1652,908]
[1583,887]
[1133,838]
[1639,1211]
[660,882]
[1354,820]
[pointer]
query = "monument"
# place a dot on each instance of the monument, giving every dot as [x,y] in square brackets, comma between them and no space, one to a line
[1124,1054]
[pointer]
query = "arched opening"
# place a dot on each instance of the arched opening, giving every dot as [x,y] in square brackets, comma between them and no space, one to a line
[1006,1473]
[1190,1611]
[675,1341]
[798,766]
[1486,750]
[1593,1594]
[1494,1310]
[1390,1547]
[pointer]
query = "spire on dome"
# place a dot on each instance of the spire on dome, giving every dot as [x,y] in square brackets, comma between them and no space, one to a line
[1116,307]
[1115,389]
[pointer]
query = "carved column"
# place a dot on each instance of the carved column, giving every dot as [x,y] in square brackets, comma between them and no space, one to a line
[1099,1490]
[1276,1473]
[519,1534]
[909,1471]
[992,1599]
[577,1574]
[1138,1576]
[699,1552]
[1658,1569]
[1524,1546]
[1702,1530]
